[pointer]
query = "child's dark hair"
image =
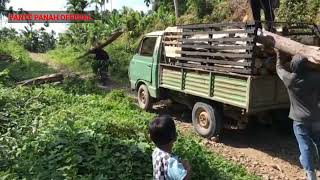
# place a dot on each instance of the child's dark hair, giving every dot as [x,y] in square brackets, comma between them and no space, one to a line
[162,130]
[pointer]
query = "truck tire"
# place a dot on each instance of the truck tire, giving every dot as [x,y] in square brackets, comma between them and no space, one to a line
[206,120]
[144,98]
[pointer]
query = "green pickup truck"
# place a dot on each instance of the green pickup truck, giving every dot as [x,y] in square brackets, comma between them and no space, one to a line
[211,91]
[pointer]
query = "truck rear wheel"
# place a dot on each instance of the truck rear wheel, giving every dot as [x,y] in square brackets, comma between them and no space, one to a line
[206,120]
[144,98]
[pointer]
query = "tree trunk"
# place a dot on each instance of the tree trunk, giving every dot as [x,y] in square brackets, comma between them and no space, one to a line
[108,41]
[289,46]
[176,8]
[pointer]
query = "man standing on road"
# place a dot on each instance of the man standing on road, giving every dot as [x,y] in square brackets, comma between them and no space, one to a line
[268,8]
[303,87]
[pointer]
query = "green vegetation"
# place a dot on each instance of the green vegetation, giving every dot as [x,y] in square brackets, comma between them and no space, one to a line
[121,53]
[19,66]
[75,131]
[68,57]
[37,40]
[300,11]
[34,40]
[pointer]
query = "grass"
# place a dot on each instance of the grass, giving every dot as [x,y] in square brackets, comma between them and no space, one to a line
[75,131]
[21,67]
[68,57]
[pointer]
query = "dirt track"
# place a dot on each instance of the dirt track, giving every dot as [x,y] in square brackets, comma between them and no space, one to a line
[265,151]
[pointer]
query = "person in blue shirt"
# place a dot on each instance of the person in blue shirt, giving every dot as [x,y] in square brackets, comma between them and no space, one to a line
[166,166]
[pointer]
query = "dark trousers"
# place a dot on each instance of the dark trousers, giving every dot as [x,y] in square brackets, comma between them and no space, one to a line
[266,5]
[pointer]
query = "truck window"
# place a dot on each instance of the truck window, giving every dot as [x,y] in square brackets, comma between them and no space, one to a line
[147,46]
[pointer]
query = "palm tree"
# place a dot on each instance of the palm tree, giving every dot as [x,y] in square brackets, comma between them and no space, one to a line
[110,4]
[176,8]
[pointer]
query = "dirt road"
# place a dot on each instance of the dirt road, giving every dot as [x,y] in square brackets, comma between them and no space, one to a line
[265,151]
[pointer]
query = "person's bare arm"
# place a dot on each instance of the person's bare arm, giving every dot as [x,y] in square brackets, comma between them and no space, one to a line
[282,71]
[188,168]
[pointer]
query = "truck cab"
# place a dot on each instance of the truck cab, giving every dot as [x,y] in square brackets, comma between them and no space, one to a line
[143,68]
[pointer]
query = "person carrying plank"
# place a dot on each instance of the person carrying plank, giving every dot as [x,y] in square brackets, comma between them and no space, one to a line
[304,92]
[100,66]
[268,8]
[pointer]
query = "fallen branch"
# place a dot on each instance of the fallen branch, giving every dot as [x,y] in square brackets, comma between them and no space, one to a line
[42,79]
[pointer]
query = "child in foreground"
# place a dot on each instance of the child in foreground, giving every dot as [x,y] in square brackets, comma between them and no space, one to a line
[166,166]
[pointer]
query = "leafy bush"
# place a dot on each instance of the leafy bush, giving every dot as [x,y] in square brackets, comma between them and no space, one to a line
[54,133]
[8,34]
[32,40]
[37,40]
[300,11]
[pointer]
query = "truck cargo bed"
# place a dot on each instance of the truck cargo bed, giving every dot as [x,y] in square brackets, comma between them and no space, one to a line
[252,93]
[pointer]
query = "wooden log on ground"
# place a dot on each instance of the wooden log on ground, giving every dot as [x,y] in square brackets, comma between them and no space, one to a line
[42,79]
[289,46]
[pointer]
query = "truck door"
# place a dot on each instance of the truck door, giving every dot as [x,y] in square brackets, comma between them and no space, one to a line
[141,63]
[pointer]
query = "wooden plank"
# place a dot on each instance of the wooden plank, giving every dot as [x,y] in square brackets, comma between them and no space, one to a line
[214,68]
[230,47]
[300,26]
[214,61]
[249,39]
[42,79]
[215,25]
[172,36]
[218,54]
[299,33]
[171,42]
[170,51]
[163,65]
[219,32]
[173,29]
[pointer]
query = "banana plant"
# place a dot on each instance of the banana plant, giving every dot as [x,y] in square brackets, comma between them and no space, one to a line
[77,5]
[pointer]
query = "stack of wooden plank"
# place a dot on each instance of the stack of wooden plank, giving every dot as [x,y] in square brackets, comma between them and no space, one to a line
[172,42]
[218,47]
[228,47]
